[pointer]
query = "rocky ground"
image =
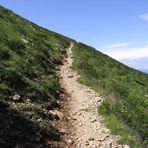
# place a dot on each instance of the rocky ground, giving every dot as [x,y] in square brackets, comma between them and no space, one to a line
[82,125]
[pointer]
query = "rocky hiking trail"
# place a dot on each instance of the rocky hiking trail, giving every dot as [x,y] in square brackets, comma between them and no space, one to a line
[83,126]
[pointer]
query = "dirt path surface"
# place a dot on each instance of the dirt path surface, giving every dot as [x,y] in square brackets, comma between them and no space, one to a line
[87,129]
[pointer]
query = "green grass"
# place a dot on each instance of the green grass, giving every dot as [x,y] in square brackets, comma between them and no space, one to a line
[126,91]
[29,55]
[117,127]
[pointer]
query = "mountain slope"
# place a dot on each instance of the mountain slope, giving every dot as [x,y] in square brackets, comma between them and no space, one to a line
[29,86]
[125,89]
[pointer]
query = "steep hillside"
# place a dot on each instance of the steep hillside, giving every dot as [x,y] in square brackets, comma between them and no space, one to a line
[29,86]
[126,91]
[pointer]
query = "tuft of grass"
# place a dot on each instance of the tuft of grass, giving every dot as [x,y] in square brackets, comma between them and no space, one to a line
[117,127]
[53,133]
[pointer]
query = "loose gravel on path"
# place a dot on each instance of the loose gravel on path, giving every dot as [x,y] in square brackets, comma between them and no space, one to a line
[87,127]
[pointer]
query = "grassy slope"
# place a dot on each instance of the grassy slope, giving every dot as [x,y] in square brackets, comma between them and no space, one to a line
[126,92]
[29,55]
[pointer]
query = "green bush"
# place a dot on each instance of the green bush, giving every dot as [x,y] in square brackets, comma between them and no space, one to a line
[17,45]
[4,53]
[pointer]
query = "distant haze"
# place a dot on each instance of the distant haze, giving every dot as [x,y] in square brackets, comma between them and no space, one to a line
[135,57]
[140,63]
[145,71]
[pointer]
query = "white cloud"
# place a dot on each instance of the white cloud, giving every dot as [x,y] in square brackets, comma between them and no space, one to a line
[144,17]
[116,45]
[136,57]
[132,53]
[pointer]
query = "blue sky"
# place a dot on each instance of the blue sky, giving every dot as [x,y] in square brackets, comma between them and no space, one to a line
[117,27]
